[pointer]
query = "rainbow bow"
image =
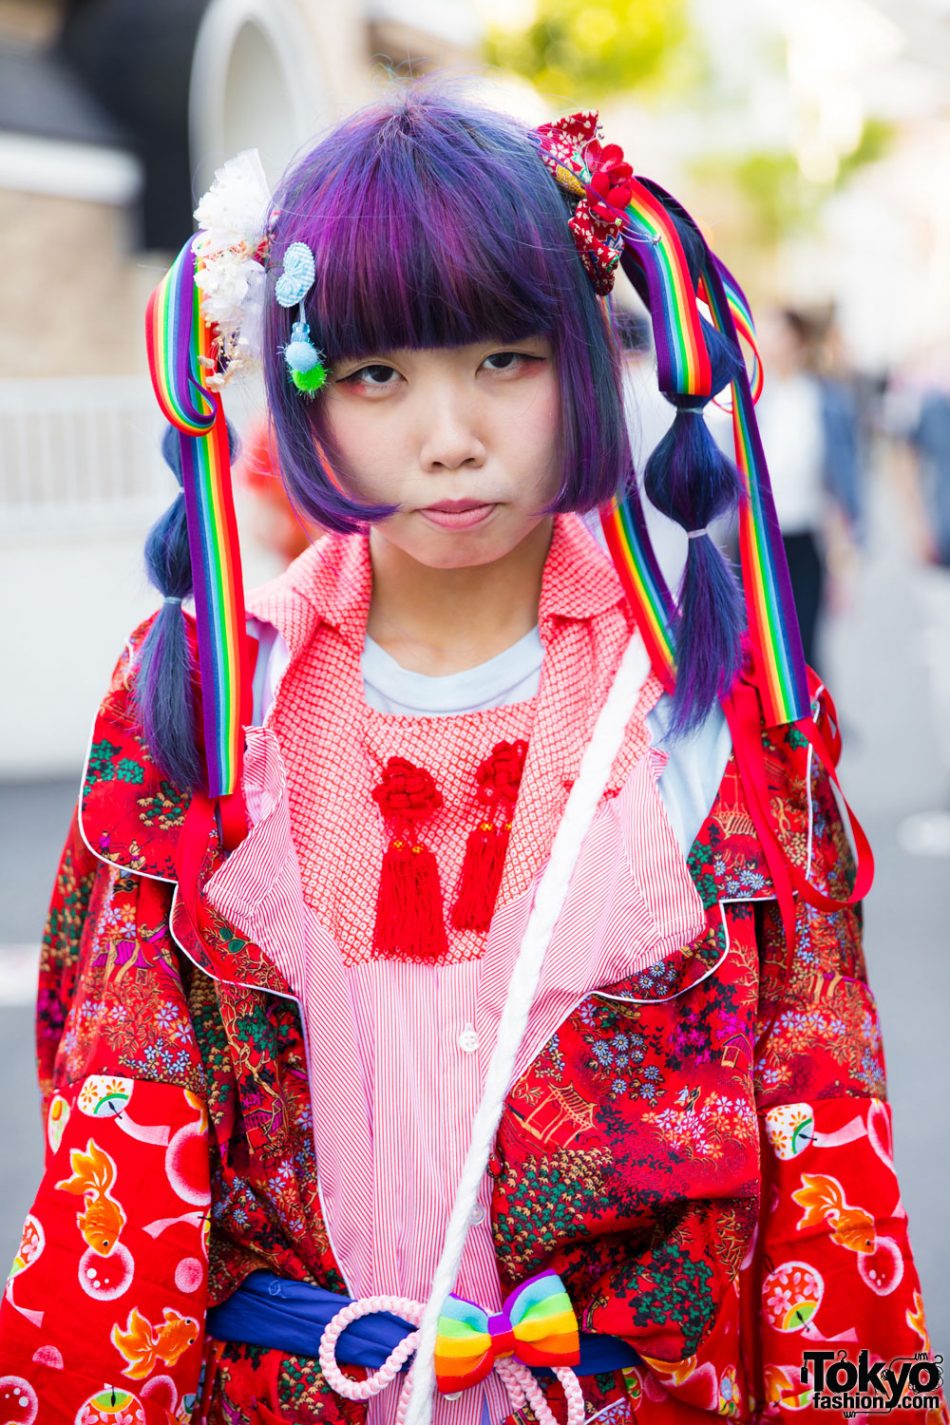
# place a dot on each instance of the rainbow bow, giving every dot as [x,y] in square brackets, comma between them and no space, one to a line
[537,1325]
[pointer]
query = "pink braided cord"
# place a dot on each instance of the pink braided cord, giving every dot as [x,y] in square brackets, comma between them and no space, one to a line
[523,1389]
[391,1367]
[521,1385]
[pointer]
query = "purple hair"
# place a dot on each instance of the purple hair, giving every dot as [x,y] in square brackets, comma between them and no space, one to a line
[164,684]
[434,224]
[689,480]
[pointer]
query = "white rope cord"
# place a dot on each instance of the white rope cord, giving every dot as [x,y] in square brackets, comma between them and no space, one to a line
[582,802]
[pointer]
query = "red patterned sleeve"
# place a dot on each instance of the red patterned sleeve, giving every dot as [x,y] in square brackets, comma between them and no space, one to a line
[103,1311]
[833,1271]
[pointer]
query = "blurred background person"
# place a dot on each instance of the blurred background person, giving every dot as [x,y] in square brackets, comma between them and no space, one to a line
[275,524]
[930,438]
[809,430]
[917,416]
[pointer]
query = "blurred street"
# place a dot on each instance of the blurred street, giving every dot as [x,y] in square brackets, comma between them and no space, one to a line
[877,670]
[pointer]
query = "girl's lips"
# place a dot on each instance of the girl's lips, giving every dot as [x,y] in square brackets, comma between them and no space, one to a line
[463,516]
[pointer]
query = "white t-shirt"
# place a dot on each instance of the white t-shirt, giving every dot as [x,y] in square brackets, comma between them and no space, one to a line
[688,783]
[512,676]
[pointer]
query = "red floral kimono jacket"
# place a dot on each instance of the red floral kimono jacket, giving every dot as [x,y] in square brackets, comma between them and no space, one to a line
[702,1151]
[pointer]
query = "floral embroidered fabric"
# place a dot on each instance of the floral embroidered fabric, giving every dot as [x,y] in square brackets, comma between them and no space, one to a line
[702,1149]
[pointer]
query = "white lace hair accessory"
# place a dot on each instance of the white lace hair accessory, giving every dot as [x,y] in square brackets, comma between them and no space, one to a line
[231,245]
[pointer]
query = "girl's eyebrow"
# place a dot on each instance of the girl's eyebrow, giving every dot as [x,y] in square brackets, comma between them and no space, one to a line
[394,355]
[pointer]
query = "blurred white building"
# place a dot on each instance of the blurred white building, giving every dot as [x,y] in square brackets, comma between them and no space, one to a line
[114,115]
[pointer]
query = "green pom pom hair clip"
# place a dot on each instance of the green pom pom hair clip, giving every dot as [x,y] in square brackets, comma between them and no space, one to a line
[304,361]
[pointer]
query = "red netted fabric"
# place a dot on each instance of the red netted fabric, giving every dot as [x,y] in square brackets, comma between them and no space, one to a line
[335,746]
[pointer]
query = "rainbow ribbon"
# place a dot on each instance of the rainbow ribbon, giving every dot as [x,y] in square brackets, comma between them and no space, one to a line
[682,361]
[180,351]
[537,1325]
[628,540]
[742,321]
[656,262]
[773,623]
[630,548]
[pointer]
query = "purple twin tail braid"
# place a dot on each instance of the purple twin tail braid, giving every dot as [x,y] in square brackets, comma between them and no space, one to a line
[691,481]
[163,687]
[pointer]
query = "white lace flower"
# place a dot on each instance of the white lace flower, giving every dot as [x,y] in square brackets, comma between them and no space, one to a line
[224,280]
[232,217]
[235,207]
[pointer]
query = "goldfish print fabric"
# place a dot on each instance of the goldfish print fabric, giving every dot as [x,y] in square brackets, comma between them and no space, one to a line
[702,1151]
[722,1117]
[114,1251]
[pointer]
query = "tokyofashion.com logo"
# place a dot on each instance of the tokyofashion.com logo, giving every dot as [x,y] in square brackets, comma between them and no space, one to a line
[847,1386]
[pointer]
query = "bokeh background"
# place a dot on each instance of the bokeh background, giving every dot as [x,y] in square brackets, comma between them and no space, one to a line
[812,142]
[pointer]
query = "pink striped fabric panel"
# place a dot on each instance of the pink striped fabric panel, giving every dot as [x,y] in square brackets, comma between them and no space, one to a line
[398,1052]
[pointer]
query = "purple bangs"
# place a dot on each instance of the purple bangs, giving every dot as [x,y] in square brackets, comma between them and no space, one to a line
[434,223]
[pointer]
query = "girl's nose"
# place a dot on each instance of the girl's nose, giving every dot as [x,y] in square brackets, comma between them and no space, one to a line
[450,439]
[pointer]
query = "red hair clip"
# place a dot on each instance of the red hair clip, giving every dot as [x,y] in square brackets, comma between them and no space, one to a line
[600,178]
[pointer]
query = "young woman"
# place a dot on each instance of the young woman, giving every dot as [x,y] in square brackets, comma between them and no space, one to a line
[497,1044]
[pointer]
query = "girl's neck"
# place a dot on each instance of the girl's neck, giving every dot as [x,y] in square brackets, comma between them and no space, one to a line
[441,621]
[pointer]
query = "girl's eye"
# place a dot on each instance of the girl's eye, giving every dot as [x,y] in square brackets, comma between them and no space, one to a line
[373,376]
[506,360]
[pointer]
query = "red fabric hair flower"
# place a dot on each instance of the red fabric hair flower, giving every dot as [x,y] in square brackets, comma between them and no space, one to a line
[569,147]
[610,178]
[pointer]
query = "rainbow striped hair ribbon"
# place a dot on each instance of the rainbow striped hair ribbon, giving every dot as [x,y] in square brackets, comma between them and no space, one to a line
[773,622]
[180,353]
[632,222]
[536,1325]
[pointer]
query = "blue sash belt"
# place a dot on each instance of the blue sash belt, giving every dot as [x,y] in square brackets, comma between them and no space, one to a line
[289,1316]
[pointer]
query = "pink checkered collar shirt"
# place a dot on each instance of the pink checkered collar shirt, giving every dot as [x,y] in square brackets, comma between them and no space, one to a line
[398,1051]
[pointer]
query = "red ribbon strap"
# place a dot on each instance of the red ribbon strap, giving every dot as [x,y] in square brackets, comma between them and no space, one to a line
[744,715]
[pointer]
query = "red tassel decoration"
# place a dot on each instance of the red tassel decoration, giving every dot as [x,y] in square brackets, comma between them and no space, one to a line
[499,778]
[409,911]
[480,878]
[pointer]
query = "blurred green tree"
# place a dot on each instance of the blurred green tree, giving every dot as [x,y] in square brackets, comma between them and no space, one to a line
[776,194]
[589,50]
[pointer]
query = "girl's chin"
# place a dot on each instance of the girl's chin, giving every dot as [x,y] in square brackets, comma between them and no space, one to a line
[459,549]
[436,546]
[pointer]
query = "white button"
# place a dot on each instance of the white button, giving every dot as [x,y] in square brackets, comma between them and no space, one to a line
[468,1040]
[478,1213]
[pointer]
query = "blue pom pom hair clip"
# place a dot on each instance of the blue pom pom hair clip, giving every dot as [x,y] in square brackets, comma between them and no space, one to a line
[304,361]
